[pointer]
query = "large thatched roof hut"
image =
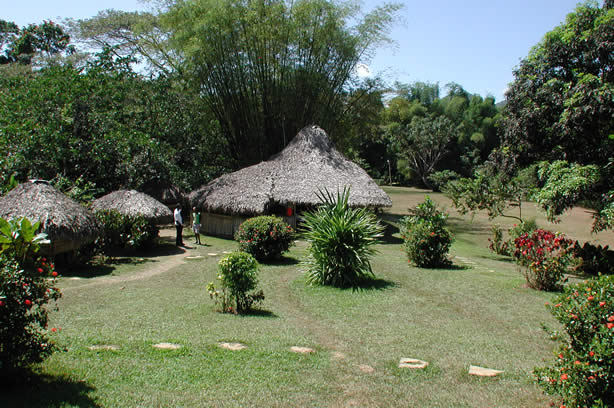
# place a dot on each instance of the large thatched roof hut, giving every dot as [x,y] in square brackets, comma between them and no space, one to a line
[67,223]
[290,179]
[132,202]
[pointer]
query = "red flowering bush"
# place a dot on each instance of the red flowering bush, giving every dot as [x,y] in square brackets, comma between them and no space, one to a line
[583,373]
[265,237]
[26,286]
[543,257]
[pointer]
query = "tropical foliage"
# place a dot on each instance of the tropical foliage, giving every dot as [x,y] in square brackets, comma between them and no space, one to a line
[341,241]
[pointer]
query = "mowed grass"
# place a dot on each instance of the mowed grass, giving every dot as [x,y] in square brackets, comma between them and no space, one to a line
[475,313]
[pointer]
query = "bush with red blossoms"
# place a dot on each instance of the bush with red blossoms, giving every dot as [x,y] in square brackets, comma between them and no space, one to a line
[543,257]
[583,373]
[26,287]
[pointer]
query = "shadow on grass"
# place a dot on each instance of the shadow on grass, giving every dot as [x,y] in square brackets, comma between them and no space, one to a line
[34,390]
[372,284]
[260,313]
[391,226]
[283,261]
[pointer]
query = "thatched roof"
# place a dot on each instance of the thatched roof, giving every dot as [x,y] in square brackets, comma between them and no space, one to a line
[131,202]
[67,223]
[294,176]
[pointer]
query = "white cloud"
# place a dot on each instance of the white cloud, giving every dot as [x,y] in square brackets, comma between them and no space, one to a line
[363,70]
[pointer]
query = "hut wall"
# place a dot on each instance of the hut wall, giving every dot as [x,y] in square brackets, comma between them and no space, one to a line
[221,225]
[225,226]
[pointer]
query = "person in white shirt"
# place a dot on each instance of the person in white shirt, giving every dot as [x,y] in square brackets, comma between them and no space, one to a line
[178,225]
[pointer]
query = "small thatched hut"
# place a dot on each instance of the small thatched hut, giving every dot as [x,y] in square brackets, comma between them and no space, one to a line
[132,202]
[289,180]
[67,223]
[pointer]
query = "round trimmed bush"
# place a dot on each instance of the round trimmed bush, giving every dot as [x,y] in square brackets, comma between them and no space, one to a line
[265,237]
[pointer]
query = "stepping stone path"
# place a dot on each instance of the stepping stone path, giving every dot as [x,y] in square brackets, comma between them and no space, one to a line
[167,346]
[227,252]
[194,257]
[412,363]
[302,350]
[483,372]
[105,347]
[233,346]
[366,368]
[212,254]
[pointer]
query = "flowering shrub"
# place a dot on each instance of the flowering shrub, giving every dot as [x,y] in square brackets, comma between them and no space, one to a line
[427,241]
[26,286]
[543,257]
[583,373]
[500,246]
[265,237]
[125,231]
[238,275]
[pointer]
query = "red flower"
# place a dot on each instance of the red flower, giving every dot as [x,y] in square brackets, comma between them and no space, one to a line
[564,377]
[602,304]
[54,274]
[577,362]
[590,298]
[53,329]
[611,318]
[28,302]
[591,377]
[610,325]
[561,355]
[591,353]
[40,270]
[1,303]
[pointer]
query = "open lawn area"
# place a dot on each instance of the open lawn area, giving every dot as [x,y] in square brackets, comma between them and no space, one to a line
[477,312]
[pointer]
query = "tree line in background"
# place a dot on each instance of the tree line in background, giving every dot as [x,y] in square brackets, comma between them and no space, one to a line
[202,87]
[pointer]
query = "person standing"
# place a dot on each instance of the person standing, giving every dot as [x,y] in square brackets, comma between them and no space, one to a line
[178,225]
[196,225]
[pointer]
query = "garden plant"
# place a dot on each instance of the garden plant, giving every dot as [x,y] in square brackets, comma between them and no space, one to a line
[341,241]
[238,275]
[427,241]
[265,237]
[26,287]
[583,373]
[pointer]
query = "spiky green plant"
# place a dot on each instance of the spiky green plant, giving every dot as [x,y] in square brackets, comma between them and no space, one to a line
[341,241]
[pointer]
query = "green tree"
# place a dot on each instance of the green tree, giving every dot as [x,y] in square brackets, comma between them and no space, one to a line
[268,68]
[22,45]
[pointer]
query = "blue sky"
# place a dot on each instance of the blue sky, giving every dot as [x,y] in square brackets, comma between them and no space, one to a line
[475,43]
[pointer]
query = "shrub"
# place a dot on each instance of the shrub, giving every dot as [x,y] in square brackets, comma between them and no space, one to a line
[341,241]
[500,246]
[593,259]
[543,257]
[427,241]
[583,373]
[265,237]
[238,275]
[125,231]
[26,286]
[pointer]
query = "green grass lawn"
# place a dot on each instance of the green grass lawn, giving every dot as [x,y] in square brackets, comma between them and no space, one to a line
[475,313]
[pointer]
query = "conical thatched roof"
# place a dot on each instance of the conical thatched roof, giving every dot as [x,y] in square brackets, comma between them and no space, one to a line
[293,176]
[131,202]
[67,223]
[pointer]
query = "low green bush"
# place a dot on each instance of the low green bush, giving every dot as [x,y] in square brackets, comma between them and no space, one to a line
[427,241]
[593,259]
[238,275]
[125,231]
[341,241]
[543,257]
[265,237]
[26,287]
[583,373]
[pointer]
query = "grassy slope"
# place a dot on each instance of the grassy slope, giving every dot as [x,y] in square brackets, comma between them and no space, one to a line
[477,313]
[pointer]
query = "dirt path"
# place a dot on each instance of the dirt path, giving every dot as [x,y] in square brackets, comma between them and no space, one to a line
[160,265]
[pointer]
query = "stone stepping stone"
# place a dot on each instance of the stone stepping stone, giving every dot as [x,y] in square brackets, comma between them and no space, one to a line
[103,347]
[167,346]
[233,346]
[76,278]
[194,257]
[365,368]
[227,252]
[337,355]
[483,372]
[212,254]
[412,363]
[302,350]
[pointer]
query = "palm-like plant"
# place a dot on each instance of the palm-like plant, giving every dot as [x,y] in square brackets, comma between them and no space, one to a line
[341,241]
